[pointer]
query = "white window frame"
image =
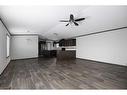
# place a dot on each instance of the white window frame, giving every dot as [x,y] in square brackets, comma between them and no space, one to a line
[57,45]
[8,45]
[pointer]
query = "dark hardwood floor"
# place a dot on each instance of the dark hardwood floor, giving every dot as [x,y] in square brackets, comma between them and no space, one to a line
[47,73]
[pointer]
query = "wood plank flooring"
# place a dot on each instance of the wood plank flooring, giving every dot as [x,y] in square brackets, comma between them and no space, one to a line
[48,73]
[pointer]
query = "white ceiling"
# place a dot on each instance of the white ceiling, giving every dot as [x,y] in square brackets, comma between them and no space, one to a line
[44,20]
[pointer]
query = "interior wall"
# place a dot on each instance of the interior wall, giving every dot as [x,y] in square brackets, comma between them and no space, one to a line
[109,47]
[4,60]
[24,47]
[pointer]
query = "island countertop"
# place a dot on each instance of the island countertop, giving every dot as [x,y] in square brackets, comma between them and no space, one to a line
[66,55]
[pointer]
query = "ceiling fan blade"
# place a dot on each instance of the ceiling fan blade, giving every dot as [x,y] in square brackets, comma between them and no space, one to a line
[64,21]
[76,23]
[79,19]
[67,24]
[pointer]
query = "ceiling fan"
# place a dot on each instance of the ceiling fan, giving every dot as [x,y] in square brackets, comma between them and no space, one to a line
[72,20]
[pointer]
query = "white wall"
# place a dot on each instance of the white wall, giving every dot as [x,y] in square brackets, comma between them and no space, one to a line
[24,47]
[110,47]
[3,48]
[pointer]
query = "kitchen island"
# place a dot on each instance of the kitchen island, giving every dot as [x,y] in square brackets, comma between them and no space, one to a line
[66,55]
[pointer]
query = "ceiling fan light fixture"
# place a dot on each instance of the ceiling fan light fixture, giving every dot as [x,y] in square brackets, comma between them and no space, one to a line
[72,20]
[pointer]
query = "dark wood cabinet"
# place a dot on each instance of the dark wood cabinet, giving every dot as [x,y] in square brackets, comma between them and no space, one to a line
[42,46]
[49,53]
[66,55]
[67,42]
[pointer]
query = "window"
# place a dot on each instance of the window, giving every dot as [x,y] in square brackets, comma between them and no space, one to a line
[57,45]
[8,46]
